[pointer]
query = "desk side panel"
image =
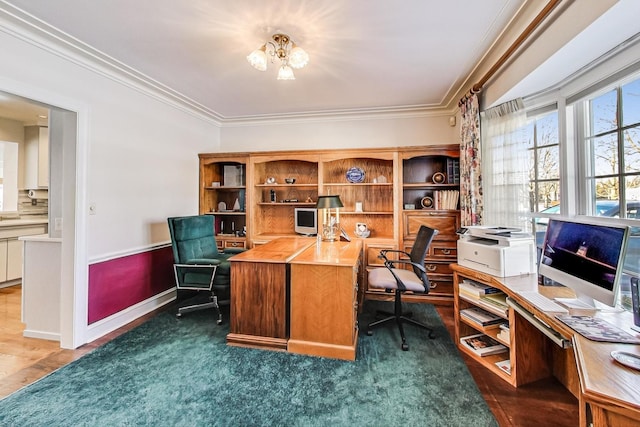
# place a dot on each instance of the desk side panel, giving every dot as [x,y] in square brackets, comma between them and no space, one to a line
[259,303]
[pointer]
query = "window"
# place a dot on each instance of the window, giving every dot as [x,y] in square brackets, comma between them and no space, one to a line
[544,175]
[612,146]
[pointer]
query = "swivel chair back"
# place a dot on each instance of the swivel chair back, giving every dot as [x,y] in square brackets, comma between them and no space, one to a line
[399,280]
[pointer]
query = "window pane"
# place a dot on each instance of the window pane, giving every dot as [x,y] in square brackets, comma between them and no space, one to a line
[605,155]
[527,133]
[547,129]
[607,189]
[631,103]
[548,200]
[549,163]
[603,113]
[631,138]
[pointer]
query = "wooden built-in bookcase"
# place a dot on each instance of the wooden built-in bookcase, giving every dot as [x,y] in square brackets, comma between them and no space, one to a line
[389,200]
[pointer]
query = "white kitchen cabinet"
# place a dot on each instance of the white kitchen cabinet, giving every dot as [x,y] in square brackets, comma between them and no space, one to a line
[36,157]
[3,257]
[14,259]
[11,248]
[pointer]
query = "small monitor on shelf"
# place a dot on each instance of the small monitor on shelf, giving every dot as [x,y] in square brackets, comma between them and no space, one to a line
[306,221]
[585,256]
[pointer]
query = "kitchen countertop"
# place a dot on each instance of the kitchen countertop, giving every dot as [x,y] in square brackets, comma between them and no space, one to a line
[19,222]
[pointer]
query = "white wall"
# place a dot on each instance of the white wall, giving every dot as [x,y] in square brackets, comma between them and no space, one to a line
[363,132]
[141,153]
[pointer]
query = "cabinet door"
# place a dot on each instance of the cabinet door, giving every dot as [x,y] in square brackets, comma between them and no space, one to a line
[3,260]
[446,222]
[36,157]
[14,259]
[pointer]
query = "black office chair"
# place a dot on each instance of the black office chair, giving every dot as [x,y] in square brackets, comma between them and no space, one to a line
[199,266]
[400,280]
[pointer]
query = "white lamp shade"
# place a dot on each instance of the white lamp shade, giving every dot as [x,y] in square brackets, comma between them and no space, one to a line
[258,59]
[298,58]
[286,73]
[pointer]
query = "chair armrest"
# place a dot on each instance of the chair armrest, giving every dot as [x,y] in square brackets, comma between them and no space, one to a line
[233,250]
[383,253]
[202,261]
[405,261]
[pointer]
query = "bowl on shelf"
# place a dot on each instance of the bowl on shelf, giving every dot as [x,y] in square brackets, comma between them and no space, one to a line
[289,180]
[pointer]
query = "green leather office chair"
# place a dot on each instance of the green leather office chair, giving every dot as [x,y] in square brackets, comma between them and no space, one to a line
[399,280]
[198,265]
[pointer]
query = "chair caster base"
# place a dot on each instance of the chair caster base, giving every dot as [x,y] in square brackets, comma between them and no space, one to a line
[179,315]
[369,332]
[405,346]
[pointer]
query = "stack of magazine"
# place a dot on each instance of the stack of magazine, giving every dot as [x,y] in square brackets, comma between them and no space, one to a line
[490,298]
[483,345]
[482,317]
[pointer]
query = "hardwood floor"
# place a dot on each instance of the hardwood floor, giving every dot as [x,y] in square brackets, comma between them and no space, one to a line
[25,360]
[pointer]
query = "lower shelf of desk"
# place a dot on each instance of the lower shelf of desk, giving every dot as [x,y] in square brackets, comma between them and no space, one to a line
[529,350]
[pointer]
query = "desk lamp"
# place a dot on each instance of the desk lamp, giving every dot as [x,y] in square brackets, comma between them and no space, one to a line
[329,210]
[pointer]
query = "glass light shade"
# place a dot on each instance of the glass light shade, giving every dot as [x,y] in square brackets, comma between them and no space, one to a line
[329,211]
[298,58]
[286,73]
[258,58]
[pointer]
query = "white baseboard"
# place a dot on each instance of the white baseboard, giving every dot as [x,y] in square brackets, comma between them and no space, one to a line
[51,336]
[118,320]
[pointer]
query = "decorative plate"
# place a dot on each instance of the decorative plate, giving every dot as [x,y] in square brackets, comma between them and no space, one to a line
[627,359]
[355,174]
[438,178]
[426,202]
[270,180]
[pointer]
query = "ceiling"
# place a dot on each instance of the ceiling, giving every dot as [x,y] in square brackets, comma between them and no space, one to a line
[365,55]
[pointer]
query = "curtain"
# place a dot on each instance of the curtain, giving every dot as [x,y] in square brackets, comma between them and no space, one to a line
[470,174]
[506,166]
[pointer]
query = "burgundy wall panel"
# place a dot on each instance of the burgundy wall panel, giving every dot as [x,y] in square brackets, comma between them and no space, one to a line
[119,283]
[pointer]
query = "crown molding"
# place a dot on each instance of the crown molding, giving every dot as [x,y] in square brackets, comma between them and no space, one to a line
[26,27]
[23,26]
[389,113]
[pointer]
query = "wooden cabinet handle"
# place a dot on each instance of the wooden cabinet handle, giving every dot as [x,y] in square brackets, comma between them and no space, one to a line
[446,251]
[431,267]
[433,285]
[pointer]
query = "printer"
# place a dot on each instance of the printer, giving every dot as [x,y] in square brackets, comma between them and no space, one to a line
[499,251]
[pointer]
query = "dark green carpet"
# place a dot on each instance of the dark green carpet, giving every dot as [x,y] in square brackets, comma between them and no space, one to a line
[171,372]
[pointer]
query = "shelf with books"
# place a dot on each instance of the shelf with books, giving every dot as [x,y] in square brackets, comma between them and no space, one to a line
[517,365]
[482,320]
[483,345]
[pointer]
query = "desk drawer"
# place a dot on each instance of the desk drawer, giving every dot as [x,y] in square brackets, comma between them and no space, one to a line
[234,243]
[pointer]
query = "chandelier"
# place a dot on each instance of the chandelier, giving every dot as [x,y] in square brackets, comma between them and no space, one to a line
[284,49]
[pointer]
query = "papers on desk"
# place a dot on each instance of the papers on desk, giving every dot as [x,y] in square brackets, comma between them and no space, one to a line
[597,329]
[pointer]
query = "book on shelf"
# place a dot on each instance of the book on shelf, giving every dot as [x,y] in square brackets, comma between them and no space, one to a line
[482,317]
[453,170]
[483,345]
[477,289]
[498,301]
[504,365]
[504,335]
[446,199]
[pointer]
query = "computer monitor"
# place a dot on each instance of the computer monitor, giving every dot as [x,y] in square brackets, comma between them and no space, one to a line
[586,257]
[306,221]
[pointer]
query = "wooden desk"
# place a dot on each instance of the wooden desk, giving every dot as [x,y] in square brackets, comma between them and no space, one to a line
[608,392]
[260,293]
[324,300]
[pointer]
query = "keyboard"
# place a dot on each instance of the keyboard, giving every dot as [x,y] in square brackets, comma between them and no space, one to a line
[541,302]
